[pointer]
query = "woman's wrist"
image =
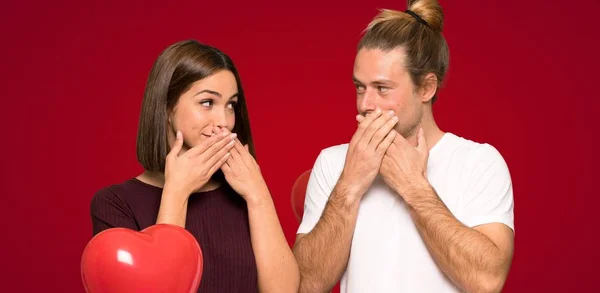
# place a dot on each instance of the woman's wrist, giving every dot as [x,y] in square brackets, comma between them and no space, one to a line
[258,197]
[175,191]
[173,206]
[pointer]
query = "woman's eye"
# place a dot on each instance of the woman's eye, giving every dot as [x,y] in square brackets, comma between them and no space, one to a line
[206,103]
[232,105]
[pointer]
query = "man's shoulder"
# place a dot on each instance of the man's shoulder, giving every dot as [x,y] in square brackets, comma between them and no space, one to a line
[335,151]
[470,152]
[331,160]
[334,155]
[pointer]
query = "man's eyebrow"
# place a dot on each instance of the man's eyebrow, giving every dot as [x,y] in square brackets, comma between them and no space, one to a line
[383,82]
[355,80]
[379,82]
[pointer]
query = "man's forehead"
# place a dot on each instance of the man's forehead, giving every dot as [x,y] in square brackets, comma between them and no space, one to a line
[375,64]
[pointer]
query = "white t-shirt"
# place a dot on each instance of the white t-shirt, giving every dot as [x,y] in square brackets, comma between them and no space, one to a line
[387,253]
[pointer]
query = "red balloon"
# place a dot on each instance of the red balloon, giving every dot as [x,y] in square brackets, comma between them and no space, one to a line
[160,258]
[298,194]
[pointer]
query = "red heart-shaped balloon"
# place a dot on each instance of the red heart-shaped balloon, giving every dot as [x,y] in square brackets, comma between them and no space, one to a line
[299,193]
[160,258]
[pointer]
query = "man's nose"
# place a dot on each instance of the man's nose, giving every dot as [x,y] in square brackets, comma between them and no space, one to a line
[368,102]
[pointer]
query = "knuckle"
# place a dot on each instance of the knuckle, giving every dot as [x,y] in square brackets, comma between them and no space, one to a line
[378,136]
[360,148]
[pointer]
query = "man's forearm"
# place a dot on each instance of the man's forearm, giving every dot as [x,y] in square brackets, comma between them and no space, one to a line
[323,253]
[469,258]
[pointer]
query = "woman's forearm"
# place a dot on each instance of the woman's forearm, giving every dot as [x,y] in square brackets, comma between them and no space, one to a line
[173,209]
[276,265]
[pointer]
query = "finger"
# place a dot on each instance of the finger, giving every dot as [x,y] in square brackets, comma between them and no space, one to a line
[220,164]
[387,142]
[245,150]
[252,158]
[206,144]
[218,150]
[381,133]
[216,157]
[217,130]
[399,140]
[362,127]
[177,145]
[421,143]
[225,166]
[360,118]
[376,125]
[236,156]
[244,155]
[226,138]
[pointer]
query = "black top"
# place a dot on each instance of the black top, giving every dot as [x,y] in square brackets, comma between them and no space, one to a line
[218,219]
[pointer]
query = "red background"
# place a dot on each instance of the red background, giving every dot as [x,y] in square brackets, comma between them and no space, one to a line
[522,77]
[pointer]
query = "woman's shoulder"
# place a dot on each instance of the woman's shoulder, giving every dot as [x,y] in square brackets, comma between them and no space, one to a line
[125,191]
[116,188]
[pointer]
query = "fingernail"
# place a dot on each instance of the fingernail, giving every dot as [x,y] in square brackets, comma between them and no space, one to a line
[178,134]
[391,113]
[224,134]
[395,118]
[233,135]
[377,111]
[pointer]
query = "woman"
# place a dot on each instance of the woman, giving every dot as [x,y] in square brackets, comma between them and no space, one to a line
[195,145]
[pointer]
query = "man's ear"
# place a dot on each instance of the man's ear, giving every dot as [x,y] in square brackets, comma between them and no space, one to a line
[429,87]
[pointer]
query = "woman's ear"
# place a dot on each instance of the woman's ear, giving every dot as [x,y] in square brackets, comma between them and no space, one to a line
[171,125]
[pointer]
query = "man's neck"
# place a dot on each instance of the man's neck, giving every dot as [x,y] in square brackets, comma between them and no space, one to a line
[432,132]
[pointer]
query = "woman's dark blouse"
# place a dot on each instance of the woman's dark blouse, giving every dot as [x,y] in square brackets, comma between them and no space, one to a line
[218,219]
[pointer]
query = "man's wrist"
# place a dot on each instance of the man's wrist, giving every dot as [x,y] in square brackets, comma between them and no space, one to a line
[350,192]
[418,189]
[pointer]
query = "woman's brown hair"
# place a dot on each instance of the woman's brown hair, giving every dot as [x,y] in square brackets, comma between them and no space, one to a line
[418,31]
[173,73]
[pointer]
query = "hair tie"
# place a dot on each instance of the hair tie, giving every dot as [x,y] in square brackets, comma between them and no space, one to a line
[417,17]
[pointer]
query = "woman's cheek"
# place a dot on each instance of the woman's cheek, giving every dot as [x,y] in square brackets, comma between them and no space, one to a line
[231,122]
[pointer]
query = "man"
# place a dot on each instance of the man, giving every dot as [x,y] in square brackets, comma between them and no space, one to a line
[405,206]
